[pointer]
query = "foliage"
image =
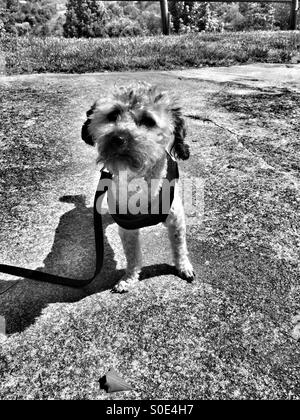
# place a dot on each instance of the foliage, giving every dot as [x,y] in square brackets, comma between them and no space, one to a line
[93,18]
[282,16]
[196,16]
[117,19]
[85,18]
[123,26]
[2,29]
[258,15]
[192,16]
[23,18]
[233,18]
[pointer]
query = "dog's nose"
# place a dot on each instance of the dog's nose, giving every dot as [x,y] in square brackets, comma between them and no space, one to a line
[118,140]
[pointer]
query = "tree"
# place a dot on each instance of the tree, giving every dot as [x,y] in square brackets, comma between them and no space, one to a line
[258,15]
[58,27]
[203,17]
[193,16]
[25,18]
[12,5]
[2,17]
[282,16]
[9,14]
[129,9]
[2,25]
[150,22]
[85,18]
[176,9]
[233,19]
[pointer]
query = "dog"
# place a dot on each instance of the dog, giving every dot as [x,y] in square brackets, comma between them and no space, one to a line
[139,131]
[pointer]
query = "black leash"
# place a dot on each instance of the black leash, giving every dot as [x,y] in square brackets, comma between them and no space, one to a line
[65,281]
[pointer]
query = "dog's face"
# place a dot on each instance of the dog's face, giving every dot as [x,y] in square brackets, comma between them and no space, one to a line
[133,128]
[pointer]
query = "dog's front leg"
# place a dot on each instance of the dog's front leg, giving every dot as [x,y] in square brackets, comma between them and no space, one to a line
[132,249]
[177,234]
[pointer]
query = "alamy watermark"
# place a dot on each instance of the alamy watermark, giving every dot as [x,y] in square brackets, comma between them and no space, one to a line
[140,197]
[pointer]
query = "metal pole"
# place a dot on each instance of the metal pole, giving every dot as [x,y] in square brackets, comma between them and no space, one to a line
[165,17]
[294,14]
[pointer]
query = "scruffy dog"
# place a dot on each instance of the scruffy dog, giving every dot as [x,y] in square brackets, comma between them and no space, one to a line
[139,131]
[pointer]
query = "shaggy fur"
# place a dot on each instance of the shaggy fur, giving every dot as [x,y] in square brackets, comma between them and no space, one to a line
[132,130]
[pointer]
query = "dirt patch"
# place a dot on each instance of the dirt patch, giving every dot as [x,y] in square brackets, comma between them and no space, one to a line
[268,125]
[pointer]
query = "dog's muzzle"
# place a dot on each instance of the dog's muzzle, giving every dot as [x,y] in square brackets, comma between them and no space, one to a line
[118,140]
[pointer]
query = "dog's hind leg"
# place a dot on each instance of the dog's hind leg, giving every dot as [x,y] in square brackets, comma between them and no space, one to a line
[132,249]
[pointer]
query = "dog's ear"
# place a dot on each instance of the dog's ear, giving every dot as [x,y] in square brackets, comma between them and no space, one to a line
[180,149]
[85,134]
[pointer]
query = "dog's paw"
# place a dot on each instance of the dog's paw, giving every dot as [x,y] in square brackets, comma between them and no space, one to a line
[125,284]
[186,271]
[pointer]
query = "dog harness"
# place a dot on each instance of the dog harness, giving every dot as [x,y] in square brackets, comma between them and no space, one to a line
[158,211]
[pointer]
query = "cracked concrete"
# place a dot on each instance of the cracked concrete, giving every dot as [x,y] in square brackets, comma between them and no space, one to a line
[259,75]
[230,335]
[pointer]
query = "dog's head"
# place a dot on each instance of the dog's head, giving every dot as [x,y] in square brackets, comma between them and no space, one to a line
[133,128]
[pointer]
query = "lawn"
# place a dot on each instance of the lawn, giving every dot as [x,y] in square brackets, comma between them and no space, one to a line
[39,55]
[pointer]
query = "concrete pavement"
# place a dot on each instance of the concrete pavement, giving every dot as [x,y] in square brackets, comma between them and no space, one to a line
[231,334]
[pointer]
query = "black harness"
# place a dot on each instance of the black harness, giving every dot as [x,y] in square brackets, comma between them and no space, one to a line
[158,209]
[127,221]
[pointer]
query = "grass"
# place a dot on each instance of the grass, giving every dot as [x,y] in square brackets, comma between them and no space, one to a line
[38,55]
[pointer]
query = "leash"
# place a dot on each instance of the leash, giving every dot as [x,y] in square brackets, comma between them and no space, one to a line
[65,281]
[127,221]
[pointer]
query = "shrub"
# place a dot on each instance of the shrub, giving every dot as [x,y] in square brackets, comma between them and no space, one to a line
[123,27]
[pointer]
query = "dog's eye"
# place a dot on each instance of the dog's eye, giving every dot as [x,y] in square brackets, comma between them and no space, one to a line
[113,115]
[147,121]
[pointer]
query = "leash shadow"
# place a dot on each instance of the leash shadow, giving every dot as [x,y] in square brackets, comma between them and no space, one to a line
[72,255]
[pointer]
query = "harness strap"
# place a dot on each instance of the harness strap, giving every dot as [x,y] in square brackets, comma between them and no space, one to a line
[65,281]
[164,201]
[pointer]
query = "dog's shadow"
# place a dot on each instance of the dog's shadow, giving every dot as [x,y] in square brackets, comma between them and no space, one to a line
[73,256]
